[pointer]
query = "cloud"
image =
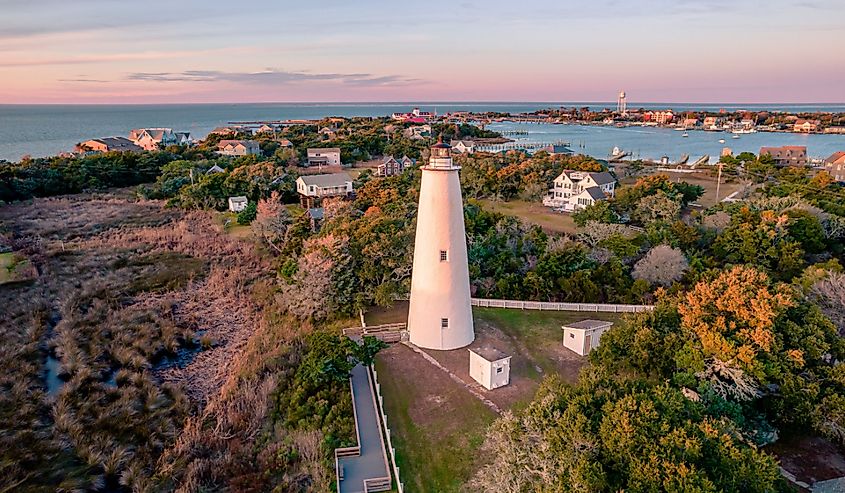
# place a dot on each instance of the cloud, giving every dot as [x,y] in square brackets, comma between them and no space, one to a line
[272,76]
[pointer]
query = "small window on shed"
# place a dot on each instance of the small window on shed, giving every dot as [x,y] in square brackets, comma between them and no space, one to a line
[499,369]
[572,335]
[444,255]
[444,323]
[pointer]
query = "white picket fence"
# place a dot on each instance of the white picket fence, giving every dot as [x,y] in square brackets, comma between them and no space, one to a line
[391,450]
[562,307]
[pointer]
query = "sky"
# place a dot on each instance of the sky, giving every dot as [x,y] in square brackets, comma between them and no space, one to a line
[195,51]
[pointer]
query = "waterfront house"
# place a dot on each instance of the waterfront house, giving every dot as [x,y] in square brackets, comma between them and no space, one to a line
[391,166]
[107,144]
[463,146]
[230,130]
[490,367]
[313,188]
[417,132]
[690,122]
[324,156]
[659,117]
[711,123]
[834,130]
[575,190]
[237,204]
[152,139]
[556,150]
[805,126]
[267,129]
[835,165]
[584,336]
[238,148]
[787,155]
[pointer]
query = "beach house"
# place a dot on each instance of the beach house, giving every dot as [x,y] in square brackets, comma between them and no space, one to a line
[238,148]
[107,144]
[324,156]
[787,155]
[805,126]
[463,146]
[313,188]
[575,190]
[152,139]
[835,165]
[391,166]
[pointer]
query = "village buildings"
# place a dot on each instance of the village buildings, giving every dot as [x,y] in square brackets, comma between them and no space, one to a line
[238,148]
[323,156]
[805,126]
[312,189]
[835,165]
[391,166]
[107,144]
[575,190]
[787,155]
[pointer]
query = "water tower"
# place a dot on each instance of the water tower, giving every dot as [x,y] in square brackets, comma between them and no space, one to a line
[622,104]
[440,313]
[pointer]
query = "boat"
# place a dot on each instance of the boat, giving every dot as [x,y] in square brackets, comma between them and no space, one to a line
[721,141]
[684,134]
[734,136]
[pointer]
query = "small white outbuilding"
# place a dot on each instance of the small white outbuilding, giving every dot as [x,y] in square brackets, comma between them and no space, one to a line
[489,367]
[582,337]
[237,204]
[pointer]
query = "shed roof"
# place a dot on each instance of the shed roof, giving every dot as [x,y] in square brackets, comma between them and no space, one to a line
[315,212]
[239,198]
[588,324]
[490,353]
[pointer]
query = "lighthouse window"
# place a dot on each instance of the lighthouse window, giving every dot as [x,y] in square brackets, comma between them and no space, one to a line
[444,255]
[444,323]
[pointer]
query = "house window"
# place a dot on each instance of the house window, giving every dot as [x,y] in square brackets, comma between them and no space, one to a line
[572,335]
[499,369]
[444,256]
[444,323]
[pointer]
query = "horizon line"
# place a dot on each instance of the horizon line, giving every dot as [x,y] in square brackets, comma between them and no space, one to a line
[430,102]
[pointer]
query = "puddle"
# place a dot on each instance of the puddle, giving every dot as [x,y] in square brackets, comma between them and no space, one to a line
[52,379]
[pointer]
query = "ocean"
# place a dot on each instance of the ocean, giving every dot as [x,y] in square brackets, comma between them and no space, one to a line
[44,130]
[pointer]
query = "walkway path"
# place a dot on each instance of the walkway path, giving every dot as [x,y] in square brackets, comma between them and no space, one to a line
[372,463]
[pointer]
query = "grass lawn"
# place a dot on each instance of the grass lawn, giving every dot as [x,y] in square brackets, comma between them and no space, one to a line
[437,426]
[702,179]
[534,213]
[228,221]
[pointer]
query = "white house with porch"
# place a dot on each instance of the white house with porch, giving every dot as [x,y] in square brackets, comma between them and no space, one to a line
[313,188]
[489,367]
[582,337]
[463,146]
[327,156]
[574,190]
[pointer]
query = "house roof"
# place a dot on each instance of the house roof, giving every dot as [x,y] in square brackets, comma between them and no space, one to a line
[595,192]
[237,199]
[490,353]
[465,143]
[836,158]
[600,177]
[322,181]
[387,159]
[588,324]
[246,143]
[323,149]
[116,143]
[215,169]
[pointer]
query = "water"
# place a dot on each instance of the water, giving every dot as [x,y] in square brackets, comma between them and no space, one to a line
[653,143]
[44,130]
[52,380]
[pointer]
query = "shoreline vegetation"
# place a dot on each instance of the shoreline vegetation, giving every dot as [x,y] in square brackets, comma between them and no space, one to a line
[186,353]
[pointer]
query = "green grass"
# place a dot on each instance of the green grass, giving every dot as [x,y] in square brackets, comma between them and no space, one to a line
[537,331]
[438,451]
[533,213]
[14,267]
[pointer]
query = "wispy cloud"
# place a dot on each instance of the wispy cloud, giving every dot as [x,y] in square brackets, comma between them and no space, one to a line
[272,76]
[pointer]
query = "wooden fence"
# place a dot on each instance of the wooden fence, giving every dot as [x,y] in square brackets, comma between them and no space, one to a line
[392,451]
[568,307]
[389,333]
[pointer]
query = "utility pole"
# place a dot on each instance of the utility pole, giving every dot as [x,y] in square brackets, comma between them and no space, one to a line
[192,176]
[718,182]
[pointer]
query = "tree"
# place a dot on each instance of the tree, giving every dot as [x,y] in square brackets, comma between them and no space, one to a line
[272,222]
[600,211]
[247,215]
[662,265]
[829,293]
[656,207]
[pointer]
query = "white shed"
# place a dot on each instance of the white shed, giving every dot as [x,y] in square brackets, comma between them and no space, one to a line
[237,204]
[489,367]
[582,337]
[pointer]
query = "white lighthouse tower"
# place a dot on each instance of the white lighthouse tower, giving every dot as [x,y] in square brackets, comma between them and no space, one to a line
[622,104]
[440,315]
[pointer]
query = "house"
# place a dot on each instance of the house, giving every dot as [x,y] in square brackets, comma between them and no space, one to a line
[711,123]
[315,216]
[574,190]
[659,117]
[152,139]
[238,148]
[489,367]
[787,155]
[313,188]
[463,146]
[417,132]
[284,143]
[215,169]
[329,156]
[690,122]
[328,133]
[391,166]
[835,165]
[237,204]
[805,126]
[582,337]
[267,129]
[557,150]
[834,130]
[415,116]
[234,129]
[107,144]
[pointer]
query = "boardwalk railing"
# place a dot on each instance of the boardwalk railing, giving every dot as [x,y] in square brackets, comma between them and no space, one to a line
[348,451]
[391,450]
[568,307]
[389,333]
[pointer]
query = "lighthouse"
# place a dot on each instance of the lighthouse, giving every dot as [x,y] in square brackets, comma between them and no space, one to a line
[440,313]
